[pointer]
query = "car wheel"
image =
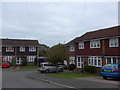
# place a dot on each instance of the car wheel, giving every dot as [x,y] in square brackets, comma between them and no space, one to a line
[104,77]
[61,70]
[47,71]
[41,71]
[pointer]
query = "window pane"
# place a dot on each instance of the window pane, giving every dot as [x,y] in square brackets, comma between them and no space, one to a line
[95,62]
[108,60]
[99,63]
[114,60]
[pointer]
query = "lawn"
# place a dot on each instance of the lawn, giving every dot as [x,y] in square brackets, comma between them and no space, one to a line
[72,75]
[28,67]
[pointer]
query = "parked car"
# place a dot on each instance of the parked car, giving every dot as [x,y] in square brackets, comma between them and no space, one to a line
[63,66]
[110,70]
[5,64]
[47,67]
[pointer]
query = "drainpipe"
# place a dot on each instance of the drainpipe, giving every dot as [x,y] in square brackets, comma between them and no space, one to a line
[15,54]
[75,54]
[37,55]
[103,50]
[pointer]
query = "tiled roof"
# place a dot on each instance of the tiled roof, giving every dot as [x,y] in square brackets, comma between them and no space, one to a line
[19,42]
[72,41]
[102,33]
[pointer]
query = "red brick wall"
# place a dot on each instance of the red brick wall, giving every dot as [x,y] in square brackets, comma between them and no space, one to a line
[26,52]
[111,51]
[89,51]
[7,53]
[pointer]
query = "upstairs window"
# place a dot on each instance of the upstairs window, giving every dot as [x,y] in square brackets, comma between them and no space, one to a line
[95,44]
[113,42]
[9,49]
[81,45]
[22,49]
[72,48]
[33,49]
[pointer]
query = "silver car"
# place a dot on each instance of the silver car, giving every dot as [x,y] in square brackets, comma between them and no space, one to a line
[47,67]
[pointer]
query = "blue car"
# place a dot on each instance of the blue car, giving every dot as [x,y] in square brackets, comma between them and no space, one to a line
[110,70]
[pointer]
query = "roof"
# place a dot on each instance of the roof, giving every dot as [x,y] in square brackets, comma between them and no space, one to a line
[19,42]
[102,33]
[72,41]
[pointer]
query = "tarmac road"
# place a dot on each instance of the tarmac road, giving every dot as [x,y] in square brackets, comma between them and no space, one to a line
[17,79]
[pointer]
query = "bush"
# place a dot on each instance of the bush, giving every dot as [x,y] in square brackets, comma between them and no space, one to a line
[71,67]
[90,69]
[13,62]
[24,62]
[35,62]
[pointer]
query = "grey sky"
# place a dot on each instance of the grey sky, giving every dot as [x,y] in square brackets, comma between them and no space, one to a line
[53,23]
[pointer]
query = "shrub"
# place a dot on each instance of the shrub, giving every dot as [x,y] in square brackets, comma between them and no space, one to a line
[71,67]
[13,62]
[90,69]
[35,62]
[24,62]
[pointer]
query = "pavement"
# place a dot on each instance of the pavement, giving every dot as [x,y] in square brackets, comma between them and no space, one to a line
[86,82]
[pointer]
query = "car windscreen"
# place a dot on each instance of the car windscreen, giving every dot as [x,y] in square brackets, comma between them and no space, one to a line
[5,62]
[119,66]
[48,65]
[110,65]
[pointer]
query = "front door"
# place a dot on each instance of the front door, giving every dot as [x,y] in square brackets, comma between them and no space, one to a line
[18,60]
[80,62]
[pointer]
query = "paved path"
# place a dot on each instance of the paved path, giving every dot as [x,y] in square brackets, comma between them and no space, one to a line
[100,79]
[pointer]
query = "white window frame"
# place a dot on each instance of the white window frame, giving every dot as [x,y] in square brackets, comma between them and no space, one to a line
[112,42]
[22,49]
[72,48]
[31,58]
[8,58]
[111,59]
[9,49]
[94,44]
[71,60]
[91,61]
[81,45]
[0,48]
[80,62]
[18,60]
[32,49]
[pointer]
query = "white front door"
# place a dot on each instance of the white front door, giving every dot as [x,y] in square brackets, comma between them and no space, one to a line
[80,62]
[18,60]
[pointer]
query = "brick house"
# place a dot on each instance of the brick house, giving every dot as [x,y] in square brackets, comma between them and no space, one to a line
[95,48]
[19,49]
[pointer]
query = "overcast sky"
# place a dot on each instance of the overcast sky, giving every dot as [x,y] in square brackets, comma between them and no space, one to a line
[52,23]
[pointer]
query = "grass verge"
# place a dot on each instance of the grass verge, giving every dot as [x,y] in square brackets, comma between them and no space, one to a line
[28,67]
[72,75]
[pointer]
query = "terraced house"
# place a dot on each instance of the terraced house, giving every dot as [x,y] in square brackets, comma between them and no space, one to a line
[95,48]
[19,49]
